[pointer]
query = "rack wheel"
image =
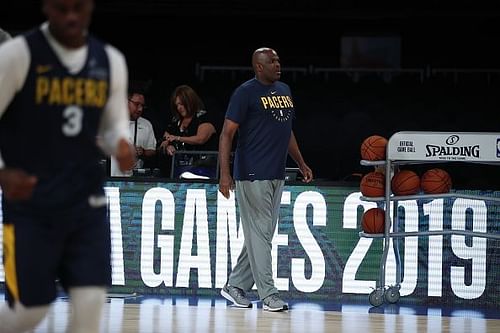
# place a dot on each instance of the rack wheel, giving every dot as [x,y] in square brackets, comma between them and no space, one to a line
[376,297]
[392,295]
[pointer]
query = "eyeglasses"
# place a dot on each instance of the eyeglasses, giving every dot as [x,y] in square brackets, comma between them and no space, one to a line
[137,104]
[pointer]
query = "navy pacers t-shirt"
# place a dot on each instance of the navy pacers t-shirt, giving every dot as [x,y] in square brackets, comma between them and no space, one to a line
[264,114]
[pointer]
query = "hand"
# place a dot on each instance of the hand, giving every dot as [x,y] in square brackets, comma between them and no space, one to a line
[170,150]
[139,151]
[17,184]
[125,155]
[226,184]
[167,148]
[171,138]
[307,175]
[163,146]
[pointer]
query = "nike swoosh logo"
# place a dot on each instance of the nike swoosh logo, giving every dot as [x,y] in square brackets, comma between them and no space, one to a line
[273,92]
[40,69]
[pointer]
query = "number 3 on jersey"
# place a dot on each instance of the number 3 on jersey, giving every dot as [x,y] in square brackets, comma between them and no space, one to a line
[73,124]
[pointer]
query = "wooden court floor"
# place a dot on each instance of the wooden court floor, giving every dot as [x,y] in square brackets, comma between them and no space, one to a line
[151,315]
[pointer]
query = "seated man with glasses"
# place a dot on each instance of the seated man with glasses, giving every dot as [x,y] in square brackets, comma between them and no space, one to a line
[142,134]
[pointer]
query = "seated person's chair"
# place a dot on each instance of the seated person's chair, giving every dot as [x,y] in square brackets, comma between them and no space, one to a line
[195,164]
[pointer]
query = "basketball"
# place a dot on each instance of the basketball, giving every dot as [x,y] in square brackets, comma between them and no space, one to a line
[435,181]
[373,184]
[405,182]
[373,221]
[373,148]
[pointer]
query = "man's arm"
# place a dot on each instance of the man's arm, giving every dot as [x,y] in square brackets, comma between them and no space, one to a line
[16,184]
[225,145]
[294,151]
[150,149]
[114,127]
[14,65]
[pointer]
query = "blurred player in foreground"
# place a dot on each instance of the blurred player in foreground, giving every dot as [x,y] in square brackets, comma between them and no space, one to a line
[63,107]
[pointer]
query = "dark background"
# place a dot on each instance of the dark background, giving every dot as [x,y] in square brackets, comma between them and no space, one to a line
[166,41]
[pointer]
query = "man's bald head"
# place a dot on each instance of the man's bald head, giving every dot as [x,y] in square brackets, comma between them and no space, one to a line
[266,65]
[261,55]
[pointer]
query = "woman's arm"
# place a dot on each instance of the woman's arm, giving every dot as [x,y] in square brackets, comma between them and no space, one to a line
[203,134]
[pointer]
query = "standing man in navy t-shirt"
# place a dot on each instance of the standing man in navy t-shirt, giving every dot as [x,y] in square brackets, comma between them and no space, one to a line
[261,110]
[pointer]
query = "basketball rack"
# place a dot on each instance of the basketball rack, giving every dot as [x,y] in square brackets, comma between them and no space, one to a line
[418,148]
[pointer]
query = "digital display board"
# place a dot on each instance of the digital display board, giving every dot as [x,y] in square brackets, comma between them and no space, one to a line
[183,239]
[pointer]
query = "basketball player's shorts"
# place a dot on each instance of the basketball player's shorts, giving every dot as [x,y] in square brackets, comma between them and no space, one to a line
[44,249]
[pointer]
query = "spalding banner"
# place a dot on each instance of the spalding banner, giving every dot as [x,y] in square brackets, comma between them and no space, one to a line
[445,146]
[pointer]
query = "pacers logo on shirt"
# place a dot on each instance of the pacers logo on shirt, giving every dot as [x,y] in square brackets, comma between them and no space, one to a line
[279,105]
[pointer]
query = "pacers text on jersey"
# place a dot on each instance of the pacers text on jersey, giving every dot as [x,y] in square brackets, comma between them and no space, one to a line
[87,92]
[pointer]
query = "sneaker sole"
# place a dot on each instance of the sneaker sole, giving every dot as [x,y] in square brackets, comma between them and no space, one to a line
[231,299]
[267,308]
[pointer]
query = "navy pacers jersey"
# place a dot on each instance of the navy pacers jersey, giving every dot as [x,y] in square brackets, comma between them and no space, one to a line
[50,127]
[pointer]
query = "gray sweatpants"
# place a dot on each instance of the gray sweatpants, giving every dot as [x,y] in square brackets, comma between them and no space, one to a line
[259,204]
